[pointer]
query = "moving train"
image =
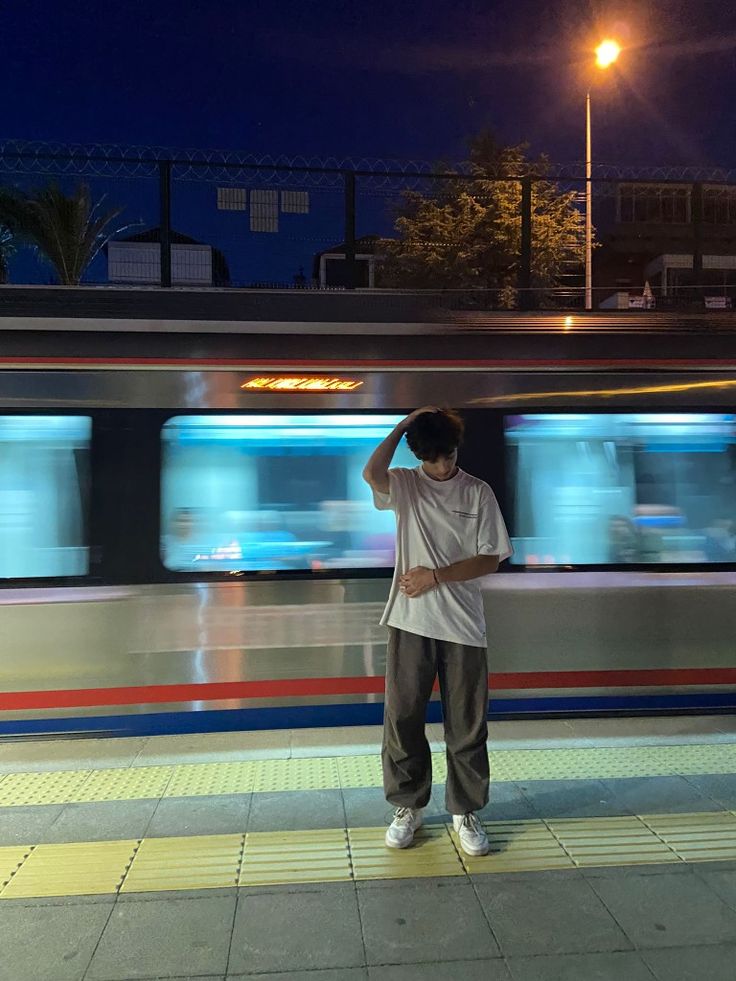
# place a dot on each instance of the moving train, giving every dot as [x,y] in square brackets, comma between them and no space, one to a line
[186,543]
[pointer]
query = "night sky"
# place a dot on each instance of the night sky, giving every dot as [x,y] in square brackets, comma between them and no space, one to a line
[403,79]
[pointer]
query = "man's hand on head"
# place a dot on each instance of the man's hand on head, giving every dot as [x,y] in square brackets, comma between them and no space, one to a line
[417,412]
[417,581]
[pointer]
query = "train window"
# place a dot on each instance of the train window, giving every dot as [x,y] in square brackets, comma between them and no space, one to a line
[269,492]
[622,488]
[44,494]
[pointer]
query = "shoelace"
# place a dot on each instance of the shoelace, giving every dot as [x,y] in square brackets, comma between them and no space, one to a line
[471,822]
[403,815]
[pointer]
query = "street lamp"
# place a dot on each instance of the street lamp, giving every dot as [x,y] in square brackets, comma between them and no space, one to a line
[605,55]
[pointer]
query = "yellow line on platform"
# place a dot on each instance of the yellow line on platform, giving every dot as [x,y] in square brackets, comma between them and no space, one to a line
[354,854]
[333,773]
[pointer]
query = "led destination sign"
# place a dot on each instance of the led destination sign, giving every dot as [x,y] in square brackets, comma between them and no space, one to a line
[300,383]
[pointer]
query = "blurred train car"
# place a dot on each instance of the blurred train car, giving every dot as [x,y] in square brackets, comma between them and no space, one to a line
[186,542]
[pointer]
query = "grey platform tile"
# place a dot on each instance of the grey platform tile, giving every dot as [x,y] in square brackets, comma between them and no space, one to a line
[722,882]
[507,803]
[571,798]
[296,811]
[219,747]
[541,913]
[658,795]
[184,894]
[69,754]
[49,943]
[218,815]
[667,910]
[103,821]
[336,741]
[165,938]
[424,922]
[100,899]
[293,888]
[719,786]
[712,963]
[611,966]
[648,731]
[339,974]
[716,865]
[366,807]
[440,882]
[624,871]
[27,825]
[483,970]
[529,734]
[296,932]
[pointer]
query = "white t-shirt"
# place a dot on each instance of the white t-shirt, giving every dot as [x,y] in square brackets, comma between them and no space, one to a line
[439,522]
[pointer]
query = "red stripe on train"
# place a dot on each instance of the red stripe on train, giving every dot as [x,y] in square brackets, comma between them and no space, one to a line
[243,363]
[371,684]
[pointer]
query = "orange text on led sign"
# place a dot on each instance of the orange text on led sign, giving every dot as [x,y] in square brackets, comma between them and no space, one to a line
[295,383]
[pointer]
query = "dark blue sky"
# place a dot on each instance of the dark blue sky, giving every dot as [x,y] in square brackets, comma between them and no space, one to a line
[406,79]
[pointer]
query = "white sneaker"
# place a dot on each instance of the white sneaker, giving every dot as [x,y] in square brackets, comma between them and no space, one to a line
[473,839]
[400,833]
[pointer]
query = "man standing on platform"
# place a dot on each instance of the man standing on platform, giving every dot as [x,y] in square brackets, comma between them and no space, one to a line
[449,532]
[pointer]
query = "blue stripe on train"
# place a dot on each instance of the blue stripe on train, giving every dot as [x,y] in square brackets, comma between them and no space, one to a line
[303,716]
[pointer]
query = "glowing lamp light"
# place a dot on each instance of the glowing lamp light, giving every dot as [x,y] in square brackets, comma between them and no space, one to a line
[606,53]
[296,383]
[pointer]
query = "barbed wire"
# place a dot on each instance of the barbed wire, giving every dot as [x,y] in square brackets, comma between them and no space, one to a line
[227,166]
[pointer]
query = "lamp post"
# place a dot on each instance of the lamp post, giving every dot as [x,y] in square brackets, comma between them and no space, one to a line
[605,55]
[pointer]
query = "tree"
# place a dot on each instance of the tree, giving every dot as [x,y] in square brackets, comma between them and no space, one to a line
[67,230]
[467,234]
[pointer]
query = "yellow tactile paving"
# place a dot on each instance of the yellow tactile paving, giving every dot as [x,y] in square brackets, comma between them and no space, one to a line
[308,856]
[268,858]
[310,773]
[11,859]
[198,862]
[610,841]
[125,783]
[696,837]
[517,846]
[78,869]
[54,787]
[365,771]
[332,773]
[360,771]
[583,764]
[432,854]
[706,758]
[439,767]
[208,779]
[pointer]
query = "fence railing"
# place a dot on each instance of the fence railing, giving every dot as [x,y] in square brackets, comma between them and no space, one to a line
[193,218]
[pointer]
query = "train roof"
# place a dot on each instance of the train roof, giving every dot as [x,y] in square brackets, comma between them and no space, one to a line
[197,310]
[117,327]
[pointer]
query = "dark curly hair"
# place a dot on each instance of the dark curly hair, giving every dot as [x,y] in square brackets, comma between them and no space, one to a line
[435,434]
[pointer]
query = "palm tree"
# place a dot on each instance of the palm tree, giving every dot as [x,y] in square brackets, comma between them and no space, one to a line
[68,230]
[6,250]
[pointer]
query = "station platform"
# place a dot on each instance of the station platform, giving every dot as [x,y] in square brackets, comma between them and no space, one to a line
[251,854]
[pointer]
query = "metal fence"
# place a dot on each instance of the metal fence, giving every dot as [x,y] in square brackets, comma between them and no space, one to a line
[193,218]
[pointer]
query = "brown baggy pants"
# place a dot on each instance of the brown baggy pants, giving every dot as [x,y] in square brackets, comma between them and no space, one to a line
[412,664]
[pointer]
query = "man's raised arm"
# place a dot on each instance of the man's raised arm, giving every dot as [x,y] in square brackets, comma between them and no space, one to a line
[375,471]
